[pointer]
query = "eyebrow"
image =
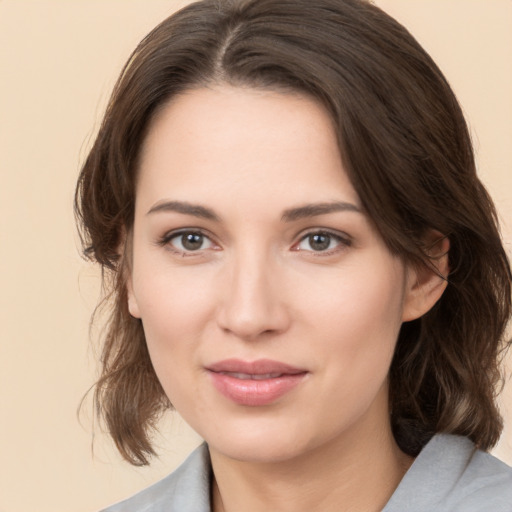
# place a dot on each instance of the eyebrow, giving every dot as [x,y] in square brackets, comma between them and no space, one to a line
[290,215]
[185,208]
[312,210]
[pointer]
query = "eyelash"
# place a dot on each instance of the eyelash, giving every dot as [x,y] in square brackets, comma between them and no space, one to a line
[166,240]
[340,240]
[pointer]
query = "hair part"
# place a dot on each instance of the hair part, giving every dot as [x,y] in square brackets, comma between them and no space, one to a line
[407,150]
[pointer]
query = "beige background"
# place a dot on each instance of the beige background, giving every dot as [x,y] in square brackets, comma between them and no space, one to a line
[58,62]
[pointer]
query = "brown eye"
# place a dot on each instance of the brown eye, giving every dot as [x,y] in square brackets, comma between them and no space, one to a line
[319,241]
[322,241]
[190,241]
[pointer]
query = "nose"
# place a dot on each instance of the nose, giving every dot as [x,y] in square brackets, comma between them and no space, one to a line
[253,304]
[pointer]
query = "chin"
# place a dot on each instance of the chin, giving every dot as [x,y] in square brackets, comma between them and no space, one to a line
[263,452]
[260,443]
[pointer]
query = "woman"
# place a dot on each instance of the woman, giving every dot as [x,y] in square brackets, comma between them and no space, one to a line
[301,261]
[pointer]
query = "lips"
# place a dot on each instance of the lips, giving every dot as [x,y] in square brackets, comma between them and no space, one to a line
[248,376]
[255,383]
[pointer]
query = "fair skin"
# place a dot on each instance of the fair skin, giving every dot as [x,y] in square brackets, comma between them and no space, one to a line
[270,304]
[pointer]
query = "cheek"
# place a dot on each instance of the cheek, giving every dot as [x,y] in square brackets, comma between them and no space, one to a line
[171,299]
[359,329]
[177,309]
[361,298]
[171,324]
[359,320]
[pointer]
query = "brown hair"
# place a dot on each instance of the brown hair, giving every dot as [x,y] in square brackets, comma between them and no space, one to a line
[406,147]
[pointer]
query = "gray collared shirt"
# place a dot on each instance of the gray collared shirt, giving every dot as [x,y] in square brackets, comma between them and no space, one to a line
[449,475]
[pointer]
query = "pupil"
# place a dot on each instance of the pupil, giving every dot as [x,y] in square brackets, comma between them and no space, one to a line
[192,241]
[319,242]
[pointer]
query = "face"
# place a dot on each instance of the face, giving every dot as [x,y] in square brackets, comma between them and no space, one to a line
[270,304]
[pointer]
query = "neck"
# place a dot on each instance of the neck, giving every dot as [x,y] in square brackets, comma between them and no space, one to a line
[356,473]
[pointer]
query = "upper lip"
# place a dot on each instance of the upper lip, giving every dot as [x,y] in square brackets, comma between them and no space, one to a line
[258,367]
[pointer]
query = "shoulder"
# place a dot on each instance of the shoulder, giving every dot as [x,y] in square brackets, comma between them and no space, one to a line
[185,490]
[451,475]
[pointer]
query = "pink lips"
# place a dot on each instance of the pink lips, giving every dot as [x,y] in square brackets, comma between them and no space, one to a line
[254,383]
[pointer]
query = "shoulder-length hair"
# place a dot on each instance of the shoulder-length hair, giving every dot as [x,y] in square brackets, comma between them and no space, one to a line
[406,147]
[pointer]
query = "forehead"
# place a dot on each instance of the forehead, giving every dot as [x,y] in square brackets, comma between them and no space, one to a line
[225,139]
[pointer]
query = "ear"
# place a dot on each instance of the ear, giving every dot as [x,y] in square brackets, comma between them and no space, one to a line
[125,252]
[133,306]
[425,284]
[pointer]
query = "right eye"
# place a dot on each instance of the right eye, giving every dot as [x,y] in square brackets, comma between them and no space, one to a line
[189,241]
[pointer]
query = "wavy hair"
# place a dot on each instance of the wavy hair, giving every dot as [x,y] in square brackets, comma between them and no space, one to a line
[406,147]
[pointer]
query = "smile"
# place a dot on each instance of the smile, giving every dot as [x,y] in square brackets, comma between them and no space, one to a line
[255,383]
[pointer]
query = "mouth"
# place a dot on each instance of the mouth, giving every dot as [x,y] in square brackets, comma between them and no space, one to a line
[255,383]
[249,376]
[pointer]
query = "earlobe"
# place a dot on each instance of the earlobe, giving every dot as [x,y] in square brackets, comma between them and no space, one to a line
[124,251]
[133,307]
[425,284]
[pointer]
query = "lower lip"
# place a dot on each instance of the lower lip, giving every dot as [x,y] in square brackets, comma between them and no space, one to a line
[255,392]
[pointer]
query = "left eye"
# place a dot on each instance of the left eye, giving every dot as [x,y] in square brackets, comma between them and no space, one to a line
[319,242]
[190,241]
